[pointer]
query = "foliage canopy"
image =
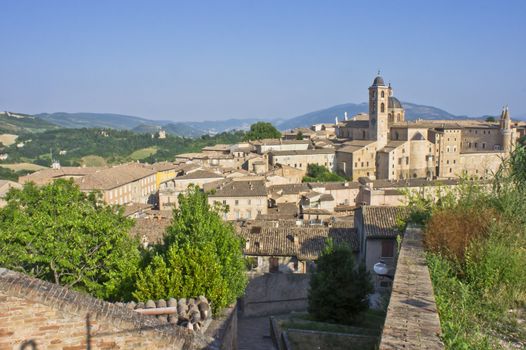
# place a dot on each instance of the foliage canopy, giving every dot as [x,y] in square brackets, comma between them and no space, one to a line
[338,289]
[201,255]
[262,130]
[319,173]
[59,234]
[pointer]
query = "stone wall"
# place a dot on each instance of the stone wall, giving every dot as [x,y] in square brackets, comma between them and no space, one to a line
[275,293]
[412,320]
[54,317]
[223,330]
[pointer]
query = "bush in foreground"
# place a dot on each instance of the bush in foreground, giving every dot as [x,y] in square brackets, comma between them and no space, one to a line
[201,255]
[59,234]
[338,289]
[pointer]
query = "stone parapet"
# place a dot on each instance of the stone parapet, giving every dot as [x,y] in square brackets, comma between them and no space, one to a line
[412,320]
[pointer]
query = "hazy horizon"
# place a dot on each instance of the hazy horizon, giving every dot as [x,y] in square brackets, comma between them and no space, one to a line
[209,60]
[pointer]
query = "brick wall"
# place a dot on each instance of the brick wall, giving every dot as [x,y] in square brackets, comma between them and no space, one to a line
[412,320]
[54,317]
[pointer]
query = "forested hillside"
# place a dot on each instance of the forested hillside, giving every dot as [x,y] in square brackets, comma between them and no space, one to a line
[18,123]
[99,146]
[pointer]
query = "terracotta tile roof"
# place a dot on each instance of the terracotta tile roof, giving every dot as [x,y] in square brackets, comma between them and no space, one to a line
[164,166]
[382,222]
[45,176]
[116,176]
[392,145]
[284,210]
[310,241]
[290,188]
[150,230]
[135,208]
[326,197]
[356,145]
[241,188]
[316,211]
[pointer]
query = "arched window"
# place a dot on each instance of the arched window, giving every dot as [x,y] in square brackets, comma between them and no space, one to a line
[382,108]
[383,94]
[363,134]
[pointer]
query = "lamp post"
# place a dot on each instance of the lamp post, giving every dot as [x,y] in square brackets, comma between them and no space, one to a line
[381,269]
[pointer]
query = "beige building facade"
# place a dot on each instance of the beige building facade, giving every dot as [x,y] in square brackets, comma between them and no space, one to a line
[382,145]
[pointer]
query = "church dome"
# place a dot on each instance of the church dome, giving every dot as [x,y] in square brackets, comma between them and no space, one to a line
[378,81]
[394,103]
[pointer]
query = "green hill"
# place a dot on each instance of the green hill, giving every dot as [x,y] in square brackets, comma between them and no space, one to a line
[18,123]
[81,146]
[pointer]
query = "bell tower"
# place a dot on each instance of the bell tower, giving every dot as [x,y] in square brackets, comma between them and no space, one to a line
[378,116]
[505,129]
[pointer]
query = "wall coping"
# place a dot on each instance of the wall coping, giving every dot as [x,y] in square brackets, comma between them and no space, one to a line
[22,286]
[412,320]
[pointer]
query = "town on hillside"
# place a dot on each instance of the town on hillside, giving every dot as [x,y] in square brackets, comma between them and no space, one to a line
[379,155]
[347,183]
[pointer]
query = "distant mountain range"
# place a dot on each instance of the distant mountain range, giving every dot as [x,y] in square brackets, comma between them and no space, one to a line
[138,124]
[196,129]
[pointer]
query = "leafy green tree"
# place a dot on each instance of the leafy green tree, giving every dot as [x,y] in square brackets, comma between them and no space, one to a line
[262,130]
[201,255]
[59,234]
[299,135]
[338,289]
[491,119]
[518,166]
[319,173]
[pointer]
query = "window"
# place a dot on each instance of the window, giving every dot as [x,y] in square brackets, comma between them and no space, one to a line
[273,265]
[382,107]
[237,202]
[387,248]
[224,201]
[249,202]
[382,94]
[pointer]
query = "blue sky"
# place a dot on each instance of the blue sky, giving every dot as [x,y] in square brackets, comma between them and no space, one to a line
[197,60]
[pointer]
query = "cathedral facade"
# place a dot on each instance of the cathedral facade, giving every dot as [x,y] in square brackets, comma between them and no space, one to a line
[383,145]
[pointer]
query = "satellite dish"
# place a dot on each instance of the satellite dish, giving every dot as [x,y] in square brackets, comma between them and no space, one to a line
[380,268]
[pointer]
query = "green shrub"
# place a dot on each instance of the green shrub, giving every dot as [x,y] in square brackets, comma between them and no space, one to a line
[319,173]
[338,289]
[201,255]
